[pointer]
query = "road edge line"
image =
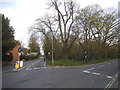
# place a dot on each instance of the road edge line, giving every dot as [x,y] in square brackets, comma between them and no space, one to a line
[112,81]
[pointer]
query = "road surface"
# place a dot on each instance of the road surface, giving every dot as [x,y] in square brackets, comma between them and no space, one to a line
[34,75]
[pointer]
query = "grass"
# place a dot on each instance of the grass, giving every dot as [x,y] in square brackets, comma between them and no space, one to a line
[74,63]
[63,63]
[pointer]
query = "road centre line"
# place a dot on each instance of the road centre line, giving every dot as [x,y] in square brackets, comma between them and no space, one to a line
[91,68]
[27,66]
[86,71]
[96,67]
[95,73]
[109,77]
[101,65]
[91,72]
[37,68]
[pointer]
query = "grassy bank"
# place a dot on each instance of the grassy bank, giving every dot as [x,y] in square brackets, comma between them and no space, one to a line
[74,63]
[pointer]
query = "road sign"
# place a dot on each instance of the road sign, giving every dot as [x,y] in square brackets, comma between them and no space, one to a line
[19,49]
[21,63]
[49,53]
[19,53]
[17,64]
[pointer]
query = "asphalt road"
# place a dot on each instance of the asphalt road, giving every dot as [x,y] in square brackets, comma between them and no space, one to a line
[35,75]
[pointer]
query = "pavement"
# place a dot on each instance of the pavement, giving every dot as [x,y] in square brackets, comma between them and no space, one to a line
[35,75]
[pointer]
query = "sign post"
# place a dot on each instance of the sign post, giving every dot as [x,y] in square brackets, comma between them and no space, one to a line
[19,63]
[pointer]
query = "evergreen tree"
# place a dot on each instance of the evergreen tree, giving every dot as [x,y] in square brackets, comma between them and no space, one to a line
[7,38]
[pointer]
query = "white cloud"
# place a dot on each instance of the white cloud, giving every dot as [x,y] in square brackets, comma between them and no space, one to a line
[103,3]
[23,16]
[6,1]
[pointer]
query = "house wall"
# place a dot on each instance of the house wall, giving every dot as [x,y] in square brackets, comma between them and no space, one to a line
[15,53]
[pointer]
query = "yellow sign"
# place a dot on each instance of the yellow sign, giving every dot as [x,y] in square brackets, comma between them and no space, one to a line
[17,64]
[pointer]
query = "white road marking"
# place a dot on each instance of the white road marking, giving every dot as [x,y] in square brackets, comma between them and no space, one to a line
[101,65]
[44,67]
[86,71]
[96,73]
[14,69]
[57,66]
[37,68]
[17,69]
[109,77]
[28,68]
[112,81]
[91,68]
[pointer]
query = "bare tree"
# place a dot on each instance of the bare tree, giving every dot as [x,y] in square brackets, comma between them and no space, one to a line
[60,23]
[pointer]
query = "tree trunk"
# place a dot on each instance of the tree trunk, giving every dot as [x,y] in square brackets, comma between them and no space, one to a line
[65,51]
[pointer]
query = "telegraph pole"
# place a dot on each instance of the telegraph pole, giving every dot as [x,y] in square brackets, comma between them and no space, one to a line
[52,52]
[118,29]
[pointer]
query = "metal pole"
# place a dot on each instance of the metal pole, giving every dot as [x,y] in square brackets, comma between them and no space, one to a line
[52,52]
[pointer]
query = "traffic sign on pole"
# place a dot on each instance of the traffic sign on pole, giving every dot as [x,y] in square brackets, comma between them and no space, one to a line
[19,49]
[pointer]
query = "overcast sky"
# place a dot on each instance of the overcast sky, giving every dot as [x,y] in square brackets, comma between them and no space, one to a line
[22,13]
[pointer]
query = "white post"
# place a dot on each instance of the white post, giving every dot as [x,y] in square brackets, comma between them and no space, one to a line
[21,63]
[19,56]
[45,63]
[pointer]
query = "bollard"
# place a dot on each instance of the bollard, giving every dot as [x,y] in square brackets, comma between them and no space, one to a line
[17,64]
[21,63]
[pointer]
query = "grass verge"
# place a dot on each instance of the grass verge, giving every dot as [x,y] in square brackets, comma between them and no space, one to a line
[74,63]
